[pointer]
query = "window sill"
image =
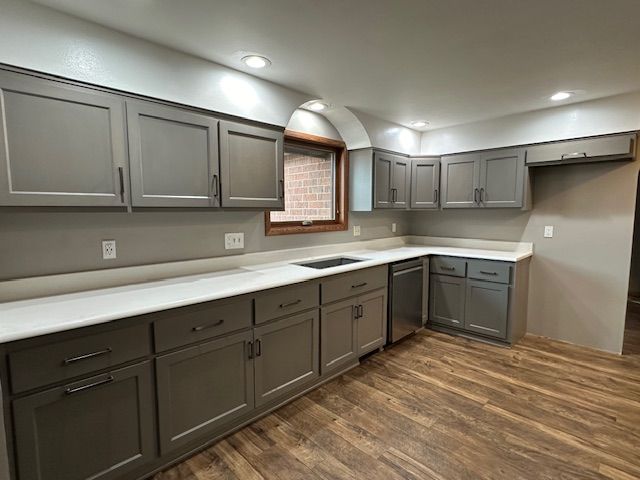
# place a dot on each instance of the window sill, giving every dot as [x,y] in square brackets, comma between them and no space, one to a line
[292,228]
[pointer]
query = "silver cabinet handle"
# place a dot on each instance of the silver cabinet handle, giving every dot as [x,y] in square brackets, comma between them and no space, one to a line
[199,328]
[86,356]
[121,177]
[354,311]
[488,273]
[482,195]
[360,311]
[475,195]
[250,349]
[290,304]
[258,347]
[214,185]
[70,391]
[449,269]
[435,196]
[573,155]
[358,285]
[281,188]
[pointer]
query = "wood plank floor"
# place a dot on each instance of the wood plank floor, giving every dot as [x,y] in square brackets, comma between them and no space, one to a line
[442,407]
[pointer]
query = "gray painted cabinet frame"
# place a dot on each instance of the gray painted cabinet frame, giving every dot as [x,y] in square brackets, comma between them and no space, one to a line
[173,157]
[60,145]
[251,166]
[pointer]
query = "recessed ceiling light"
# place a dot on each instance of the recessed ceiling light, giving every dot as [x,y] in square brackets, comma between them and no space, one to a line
[560,96]
[317,106]
[419,123]
[256,61]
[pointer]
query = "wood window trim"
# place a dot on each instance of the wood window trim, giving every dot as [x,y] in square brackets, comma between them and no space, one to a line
[341,221]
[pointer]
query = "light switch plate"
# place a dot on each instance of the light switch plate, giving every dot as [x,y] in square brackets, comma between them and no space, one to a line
[233,240]
[548,231]
[108,249]
[394,228]
[356,230]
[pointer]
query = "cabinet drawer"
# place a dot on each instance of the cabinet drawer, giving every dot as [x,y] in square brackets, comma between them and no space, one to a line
[499,272]
[286,300]
[46,364]
[353,283]
[182,326]
[456,267]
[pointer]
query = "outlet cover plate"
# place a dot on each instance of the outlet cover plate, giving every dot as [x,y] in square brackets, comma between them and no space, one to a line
[109,250]
[548,231]
[233,241]
[356,230]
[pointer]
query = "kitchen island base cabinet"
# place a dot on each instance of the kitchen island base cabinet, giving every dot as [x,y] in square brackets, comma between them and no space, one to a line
[286,355]
[202,388]
[100,428]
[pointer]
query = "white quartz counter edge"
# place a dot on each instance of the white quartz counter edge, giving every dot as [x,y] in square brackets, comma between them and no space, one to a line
[41,316]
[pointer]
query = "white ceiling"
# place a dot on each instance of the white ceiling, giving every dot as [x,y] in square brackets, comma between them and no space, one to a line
[446,61]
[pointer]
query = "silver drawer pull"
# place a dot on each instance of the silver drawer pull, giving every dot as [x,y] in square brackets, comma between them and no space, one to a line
[573,155]
[70,391]
[488,273]
[87,356]
[290,304]
[199,328]
[359,285]
[448,269]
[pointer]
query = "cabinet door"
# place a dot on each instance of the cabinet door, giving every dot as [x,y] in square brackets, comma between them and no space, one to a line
[286,355]
[425,182]
[502,178]
[382,172]
[202,388]
[97,428]
[173,157]
[251,166]
[339,336]
[401,182]
[487,308]
[459,182]
[60,145]
[447,300]
[372,321]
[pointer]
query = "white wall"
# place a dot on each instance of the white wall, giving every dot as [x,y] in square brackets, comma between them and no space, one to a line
[390,136]
[311,122]
[619,113]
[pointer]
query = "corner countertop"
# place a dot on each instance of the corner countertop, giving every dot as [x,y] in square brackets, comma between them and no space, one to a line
[40,316]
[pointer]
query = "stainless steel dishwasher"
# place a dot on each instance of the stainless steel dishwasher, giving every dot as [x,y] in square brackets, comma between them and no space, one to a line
[408,293]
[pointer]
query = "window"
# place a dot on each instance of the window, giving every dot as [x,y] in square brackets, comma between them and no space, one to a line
[315,194]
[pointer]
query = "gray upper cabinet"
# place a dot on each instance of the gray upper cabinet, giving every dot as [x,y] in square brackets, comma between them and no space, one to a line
[251,166]
[99,428]
[60,145]
[202,388]
[486,308]
[501,181]
[459,180]
[173,157]
[339,346]
[595,149]
[372,321]
[392,177]
[425,182]
[286,355]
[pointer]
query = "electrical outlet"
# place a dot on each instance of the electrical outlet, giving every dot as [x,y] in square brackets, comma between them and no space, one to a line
[233,240]
[356,230]
[108,249]
[548,231]
[394,228]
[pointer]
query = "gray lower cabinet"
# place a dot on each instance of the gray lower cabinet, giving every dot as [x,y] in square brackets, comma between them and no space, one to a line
[486,308]
[447,300]
[173,156]
[372,321]
[60,145]
[99,428]
[286,355]
[202,388]
[425,182]
[339,334]
[251,166]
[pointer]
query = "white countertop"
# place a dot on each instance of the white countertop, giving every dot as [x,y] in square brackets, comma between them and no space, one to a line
[40,316]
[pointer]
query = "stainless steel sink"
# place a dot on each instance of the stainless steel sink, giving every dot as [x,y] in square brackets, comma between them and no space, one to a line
[330,262]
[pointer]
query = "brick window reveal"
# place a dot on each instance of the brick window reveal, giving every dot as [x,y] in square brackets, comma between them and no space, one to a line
[314,185]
